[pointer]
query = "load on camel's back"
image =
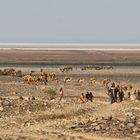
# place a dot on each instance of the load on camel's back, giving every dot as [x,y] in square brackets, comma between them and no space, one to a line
[29,78]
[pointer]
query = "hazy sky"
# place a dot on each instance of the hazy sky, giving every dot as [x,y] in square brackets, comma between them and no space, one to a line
[70,21]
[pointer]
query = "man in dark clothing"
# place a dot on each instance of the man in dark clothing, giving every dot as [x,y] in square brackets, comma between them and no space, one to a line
[112,92]
[110,95]
[120,93]
[137,94]
[90,96]
[87,96]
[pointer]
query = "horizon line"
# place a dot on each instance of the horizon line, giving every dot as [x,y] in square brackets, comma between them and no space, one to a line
[72,49]
[71,46]
[90,44]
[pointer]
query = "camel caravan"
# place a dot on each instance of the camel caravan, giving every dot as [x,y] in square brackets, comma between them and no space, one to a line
[11,72]
[116,91]
[66,69]
[68,80]
[96,67]
[42,78]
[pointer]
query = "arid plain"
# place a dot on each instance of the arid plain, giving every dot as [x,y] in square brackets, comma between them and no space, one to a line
[33,110]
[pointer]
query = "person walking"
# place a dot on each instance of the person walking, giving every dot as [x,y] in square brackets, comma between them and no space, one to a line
[61,92]
[121,94]
[82,98]
[87,96]
[90,96]
[112,92]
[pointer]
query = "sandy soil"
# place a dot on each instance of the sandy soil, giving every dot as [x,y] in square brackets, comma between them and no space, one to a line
[42,118]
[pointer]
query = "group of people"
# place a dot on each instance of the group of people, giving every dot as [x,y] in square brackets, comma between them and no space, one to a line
[85,98]
[118,94]
[115,93]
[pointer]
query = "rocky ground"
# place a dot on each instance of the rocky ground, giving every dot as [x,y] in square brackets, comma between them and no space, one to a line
[29,112]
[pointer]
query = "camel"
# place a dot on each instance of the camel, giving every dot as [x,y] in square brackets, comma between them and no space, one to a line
[89,67]
[43,73]
[17,73]
[80,81]
[106,82]
[66,69]
[29,78]
[52,76]
[8,71]
[92,81]
[56,80]
[67,79]
[42,78]
[107,67]
[0,71]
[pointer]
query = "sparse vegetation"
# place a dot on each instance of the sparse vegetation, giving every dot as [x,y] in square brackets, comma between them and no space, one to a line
[52,93]
[27,111]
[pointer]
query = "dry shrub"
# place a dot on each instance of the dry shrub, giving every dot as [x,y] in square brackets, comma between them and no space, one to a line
[50,116]
[52,93]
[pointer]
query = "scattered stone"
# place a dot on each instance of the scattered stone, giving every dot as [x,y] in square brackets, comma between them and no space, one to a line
[33,98]
[97,128]
[43,87]
[130,125]
[73,127]
[94,124]
[136,129]
[67,138]
[107,118]
[21,98]
[1,108]
[60,135]
[103,127]
[133,117]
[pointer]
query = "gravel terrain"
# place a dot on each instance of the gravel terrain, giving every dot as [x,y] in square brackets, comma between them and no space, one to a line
[27,111]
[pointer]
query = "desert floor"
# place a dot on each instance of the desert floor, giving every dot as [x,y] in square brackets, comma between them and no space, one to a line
[36,116]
